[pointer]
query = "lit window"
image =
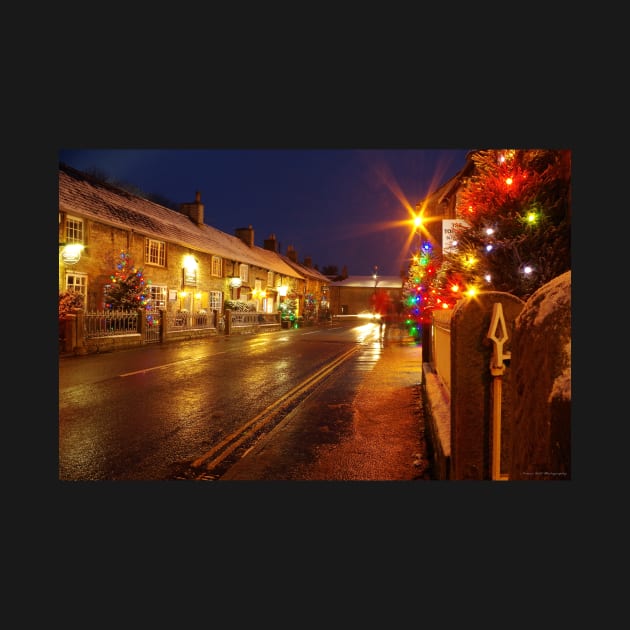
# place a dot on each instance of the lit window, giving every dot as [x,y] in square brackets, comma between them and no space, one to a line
[216,266]
[74,230]
[77,282]
[243,272]
[216,300]
[158,296]
[154,252]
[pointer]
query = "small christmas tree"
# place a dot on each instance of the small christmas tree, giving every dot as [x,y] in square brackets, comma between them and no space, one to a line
[310,307]
[288,310]
[128,289]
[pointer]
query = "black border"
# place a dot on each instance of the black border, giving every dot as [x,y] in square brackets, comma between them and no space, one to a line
[429,526]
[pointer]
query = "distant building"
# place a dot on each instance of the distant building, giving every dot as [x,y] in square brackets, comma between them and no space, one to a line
[356,294]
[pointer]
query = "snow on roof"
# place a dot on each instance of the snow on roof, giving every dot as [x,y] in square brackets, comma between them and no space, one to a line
[84,196]
[305,271]
[383,282]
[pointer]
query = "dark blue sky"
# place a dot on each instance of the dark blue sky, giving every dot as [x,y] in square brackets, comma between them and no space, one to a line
[340,207]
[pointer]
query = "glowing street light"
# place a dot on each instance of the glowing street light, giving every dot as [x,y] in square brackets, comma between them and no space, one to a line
[417,225]
[375,276]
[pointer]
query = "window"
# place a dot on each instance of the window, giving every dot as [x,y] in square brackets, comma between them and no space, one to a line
[216,266]
[77,282]
[270,278]
[157,296]
[216,300]
[155,252]
[243,272]
[74,230]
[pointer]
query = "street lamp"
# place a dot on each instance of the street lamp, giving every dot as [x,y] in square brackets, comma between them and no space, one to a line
[417,224]
[375,276]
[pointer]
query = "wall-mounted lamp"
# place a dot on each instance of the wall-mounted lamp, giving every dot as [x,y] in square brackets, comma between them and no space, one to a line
[283,290]
[235,282]
[190,263]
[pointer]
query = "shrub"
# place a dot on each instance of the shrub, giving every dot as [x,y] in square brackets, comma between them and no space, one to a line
[239,305]
[67,301]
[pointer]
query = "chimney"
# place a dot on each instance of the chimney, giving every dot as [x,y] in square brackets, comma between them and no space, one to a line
[246,235]
[291,253]
[271,244]
[308,262]
[193,210]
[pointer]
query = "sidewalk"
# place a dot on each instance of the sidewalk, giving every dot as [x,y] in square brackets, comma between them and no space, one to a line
[386,439]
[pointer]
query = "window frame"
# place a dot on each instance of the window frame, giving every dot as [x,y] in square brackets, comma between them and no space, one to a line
[243,272]
[216,268]
[160,254]
[74,224]
[83,284]
[215,297]
[161,302]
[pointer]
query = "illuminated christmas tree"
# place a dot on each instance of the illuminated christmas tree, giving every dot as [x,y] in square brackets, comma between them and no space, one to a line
[288,311]
[128,289]
[515,233]
[419,297]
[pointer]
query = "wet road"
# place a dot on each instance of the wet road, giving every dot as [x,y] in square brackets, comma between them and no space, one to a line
[162,412]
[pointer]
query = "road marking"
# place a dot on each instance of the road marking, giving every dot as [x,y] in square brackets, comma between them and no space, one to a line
[224,448]
[165,365]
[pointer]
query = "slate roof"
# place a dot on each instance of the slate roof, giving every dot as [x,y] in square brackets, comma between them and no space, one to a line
[84,196]
[383,282]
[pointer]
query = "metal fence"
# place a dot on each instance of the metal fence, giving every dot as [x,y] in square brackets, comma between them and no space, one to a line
[98,324]
[183,320]
[110,323]
[242,318]
[118,328]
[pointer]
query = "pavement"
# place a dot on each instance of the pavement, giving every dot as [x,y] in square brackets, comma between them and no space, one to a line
[382,438]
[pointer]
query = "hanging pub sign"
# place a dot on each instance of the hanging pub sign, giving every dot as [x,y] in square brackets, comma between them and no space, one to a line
[71,254]
[448,232]
[190,277]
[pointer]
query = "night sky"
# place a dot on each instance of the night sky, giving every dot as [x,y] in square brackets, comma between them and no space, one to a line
[340,207]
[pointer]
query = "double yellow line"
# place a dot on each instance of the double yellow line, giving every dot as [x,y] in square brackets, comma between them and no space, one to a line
[212,458]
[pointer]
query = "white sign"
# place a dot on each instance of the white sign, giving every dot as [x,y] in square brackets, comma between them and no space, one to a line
[449,226]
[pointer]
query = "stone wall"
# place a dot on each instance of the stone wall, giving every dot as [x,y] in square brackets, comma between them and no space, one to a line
[541,373]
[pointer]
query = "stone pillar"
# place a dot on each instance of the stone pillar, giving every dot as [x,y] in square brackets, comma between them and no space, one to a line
[427,340]
[142,324]
[471,385]
[163,324]
[70,332]
[79,346]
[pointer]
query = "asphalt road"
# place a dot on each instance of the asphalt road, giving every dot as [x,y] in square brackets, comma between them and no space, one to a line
[338,403]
